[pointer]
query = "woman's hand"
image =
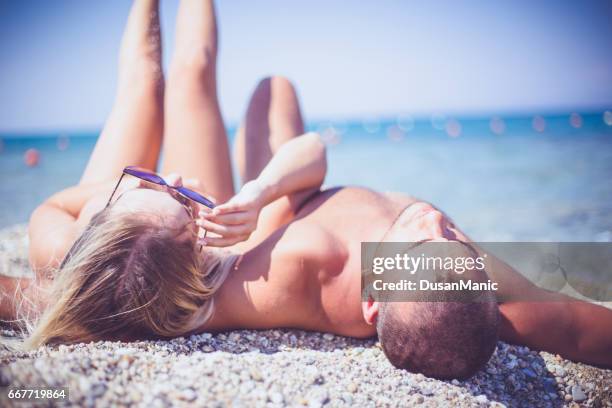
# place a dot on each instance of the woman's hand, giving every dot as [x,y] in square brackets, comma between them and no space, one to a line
[235,220]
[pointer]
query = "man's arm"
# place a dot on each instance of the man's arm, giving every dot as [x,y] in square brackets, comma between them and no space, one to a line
[550,321]
[576,330]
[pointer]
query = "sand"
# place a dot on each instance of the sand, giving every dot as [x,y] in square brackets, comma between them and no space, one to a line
[277,368]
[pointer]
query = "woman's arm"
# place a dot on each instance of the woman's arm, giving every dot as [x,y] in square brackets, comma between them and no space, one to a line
[296,170]
[53,226]
[299,164]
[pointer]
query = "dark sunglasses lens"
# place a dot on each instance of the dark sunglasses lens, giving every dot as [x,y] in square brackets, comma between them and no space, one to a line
[196,197]
[150,177]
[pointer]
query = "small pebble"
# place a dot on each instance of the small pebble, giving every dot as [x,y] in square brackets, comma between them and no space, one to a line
[427,391]
[348,398]
[529,372]
[578,394]
[276,397]
[560,371]
[189,395]
[256,374]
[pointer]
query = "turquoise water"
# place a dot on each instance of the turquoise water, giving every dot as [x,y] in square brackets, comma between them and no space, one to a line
[516,183]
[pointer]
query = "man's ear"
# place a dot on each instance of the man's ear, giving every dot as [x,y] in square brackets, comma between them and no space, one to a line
[369,310]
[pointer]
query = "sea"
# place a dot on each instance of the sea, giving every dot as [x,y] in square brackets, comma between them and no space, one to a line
[500,178]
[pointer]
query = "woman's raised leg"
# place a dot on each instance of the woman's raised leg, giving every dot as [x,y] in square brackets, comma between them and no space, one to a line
[195,142]
[272,118]
[132,134]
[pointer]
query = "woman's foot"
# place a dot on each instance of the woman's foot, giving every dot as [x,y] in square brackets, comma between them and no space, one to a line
[195,51]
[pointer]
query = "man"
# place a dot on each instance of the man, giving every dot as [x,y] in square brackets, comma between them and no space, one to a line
[302,265]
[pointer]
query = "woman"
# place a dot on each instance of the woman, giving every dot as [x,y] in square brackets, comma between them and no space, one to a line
[139,265]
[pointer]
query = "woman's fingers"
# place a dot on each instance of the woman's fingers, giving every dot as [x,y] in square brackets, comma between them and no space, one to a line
[221,241]
[224,230]
[229,207]
[235,218]
[203,210]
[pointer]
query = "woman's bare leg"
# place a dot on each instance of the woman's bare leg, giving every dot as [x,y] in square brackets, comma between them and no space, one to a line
[195,144]
[131,136]
[272,118]
[133,132]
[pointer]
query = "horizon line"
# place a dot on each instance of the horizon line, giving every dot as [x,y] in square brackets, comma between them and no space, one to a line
[382,117]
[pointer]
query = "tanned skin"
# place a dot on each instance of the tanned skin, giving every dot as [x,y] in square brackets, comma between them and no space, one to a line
[300,244]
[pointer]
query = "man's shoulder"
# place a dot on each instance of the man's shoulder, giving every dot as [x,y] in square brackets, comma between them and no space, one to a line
[355,195]
[309,239]
[353,190]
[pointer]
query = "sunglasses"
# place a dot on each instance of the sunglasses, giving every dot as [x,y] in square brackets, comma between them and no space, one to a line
[155,178]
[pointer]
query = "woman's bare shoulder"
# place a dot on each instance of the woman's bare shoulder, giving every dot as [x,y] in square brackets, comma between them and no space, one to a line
[51,234]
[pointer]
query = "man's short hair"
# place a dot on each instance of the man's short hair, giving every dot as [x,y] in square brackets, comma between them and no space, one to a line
[439,339]
[441,334]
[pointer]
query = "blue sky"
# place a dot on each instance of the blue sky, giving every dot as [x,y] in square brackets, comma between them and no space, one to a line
[349,59]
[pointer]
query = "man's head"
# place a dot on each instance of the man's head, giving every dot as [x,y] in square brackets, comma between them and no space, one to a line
[438,339]
[442,333]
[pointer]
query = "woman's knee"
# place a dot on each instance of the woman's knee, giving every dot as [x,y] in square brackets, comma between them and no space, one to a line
[274,87]
[193,65]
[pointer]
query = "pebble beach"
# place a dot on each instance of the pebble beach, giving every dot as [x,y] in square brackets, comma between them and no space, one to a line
[276,368]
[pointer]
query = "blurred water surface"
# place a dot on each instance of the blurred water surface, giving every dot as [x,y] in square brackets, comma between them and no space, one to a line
[514,179]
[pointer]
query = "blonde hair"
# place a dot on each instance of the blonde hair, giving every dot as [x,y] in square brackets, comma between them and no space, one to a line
[129,277]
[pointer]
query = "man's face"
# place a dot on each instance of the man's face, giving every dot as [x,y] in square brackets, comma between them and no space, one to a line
[423,222]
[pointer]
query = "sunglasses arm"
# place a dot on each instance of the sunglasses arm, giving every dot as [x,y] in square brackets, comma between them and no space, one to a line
[114,190]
